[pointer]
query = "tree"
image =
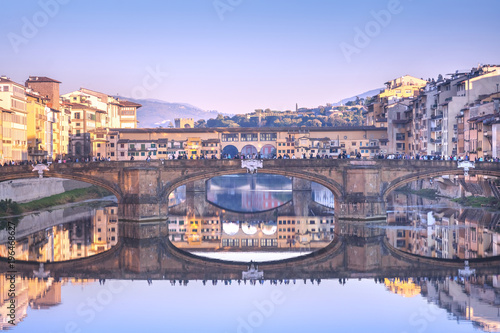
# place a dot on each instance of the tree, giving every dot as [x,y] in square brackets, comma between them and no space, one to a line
[200,123]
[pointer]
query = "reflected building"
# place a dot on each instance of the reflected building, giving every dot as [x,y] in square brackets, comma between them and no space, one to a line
[33,293]
[405,288]
[442,232]
[474,299]
[84,237]
[305,231]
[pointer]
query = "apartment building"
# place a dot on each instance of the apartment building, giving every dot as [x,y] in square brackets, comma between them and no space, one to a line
[14,145]
[39,126]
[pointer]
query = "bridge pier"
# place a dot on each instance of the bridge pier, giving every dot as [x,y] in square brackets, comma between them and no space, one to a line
[142,199]
[361,208]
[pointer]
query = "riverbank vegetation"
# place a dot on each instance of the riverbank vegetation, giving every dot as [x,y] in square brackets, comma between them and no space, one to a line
[427,193]
[9,208]
[479,202]
[79,194]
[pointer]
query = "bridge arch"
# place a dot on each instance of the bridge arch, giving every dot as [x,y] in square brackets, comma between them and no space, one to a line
[249,150]
[267,151]
[401,181]
[230,149]
[330,184]
[26,174]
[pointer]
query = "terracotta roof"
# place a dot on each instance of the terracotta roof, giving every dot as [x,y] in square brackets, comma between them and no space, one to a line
[7,80]
[41,79]
[102,96]
[128,103]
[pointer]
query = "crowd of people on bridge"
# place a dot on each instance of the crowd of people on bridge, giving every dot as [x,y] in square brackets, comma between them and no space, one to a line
[261,156]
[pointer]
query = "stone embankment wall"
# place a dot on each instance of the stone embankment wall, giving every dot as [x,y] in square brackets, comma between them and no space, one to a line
[24,190]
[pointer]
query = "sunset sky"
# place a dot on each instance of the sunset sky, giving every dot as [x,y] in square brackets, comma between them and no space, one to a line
[235,56]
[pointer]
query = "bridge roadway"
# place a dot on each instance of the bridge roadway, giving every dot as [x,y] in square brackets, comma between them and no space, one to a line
[360,187]
[144,252]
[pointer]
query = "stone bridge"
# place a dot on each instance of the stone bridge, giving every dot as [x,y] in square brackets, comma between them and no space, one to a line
[360,187]
[144,252]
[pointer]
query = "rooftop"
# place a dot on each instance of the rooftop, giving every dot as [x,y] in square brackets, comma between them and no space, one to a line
[41,79]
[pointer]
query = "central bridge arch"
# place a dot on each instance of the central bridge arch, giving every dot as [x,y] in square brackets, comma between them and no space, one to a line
[330,184]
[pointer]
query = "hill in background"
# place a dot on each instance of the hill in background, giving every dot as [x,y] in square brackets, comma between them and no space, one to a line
[155,113]
[364,95]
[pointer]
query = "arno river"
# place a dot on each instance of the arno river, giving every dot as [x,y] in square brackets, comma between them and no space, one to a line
[257,218]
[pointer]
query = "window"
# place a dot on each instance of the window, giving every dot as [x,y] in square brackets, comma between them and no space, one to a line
[77,115]
[98,145]
[249,137]
[267,136]
[112,145]
[153,145]
[229,137]
[400,136]
[354,143]
[122,153]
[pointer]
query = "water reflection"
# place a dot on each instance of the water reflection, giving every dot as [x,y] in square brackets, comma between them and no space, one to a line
[31,293]
[249,192]
[251,213]
[358,267]
[440,232]
[438,304]
[64,234]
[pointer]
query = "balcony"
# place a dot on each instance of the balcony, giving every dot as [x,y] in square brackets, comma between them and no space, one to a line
[437,116]
[436,129]
[37,152]
[436,141]
[454,139]
[434,106]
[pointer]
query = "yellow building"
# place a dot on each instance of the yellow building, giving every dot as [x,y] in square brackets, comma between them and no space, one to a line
[403,288]
[402,87]
[39,127]
[61,128]
[13,122]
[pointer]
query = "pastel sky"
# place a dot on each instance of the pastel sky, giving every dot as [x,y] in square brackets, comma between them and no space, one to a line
[235,56]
